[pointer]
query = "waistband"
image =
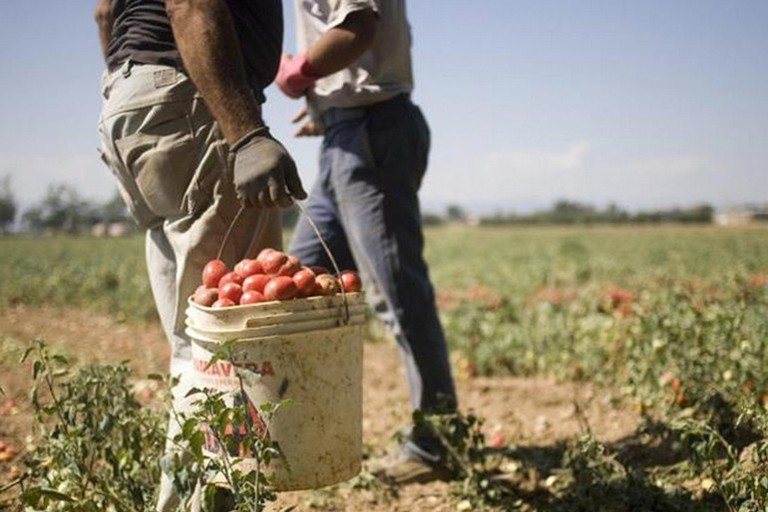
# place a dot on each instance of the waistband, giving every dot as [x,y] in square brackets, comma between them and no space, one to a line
[337,115]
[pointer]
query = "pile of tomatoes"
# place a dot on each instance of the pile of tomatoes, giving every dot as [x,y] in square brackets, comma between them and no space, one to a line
[272,275]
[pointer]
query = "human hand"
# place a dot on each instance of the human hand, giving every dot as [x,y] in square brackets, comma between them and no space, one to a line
[309,128]
[294,75]
[265,175]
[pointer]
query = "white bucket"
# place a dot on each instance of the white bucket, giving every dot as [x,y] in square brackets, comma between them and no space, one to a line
[319,369]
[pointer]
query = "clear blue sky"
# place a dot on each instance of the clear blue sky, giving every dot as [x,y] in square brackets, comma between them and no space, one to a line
[647,103]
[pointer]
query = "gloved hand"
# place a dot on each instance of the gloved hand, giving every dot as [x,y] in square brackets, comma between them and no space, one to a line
[265,175]
[295,75]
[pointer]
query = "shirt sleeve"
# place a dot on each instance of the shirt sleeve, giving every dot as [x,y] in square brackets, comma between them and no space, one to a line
[340,9]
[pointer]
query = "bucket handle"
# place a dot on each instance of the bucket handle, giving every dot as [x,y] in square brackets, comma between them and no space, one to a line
[327,250]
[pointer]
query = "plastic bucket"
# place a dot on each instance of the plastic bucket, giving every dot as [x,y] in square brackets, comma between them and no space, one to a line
[315,363]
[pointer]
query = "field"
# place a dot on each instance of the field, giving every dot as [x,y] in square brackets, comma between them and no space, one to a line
[603,368]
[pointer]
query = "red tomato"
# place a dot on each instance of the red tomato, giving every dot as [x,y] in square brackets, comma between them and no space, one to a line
[230,277]
[305,281]
[256,282]
[350,281]
[205,296]
[263,253]
[272,261]
[327,285]
[223,303]
[231,291]
[290,267]
[248,267]
[497,441]
[251,297]
[213,271]
[280,288]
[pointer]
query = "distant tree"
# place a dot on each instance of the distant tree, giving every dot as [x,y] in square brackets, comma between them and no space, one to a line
[455,213]
[114,210]
[62,209]
[565,211]
[8,205]
[431,219]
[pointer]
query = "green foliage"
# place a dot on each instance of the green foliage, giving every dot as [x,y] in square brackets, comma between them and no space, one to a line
[673,321]
[467,458]
[8,206]
[108,275]
[97,448]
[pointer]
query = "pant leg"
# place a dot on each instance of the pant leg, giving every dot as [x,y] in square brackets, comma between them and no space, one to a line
[371,171]
[171,165]
[321,207]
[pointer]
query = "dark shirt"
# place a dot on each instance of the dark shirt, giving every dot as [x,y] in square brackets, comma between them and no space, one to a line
[142,33]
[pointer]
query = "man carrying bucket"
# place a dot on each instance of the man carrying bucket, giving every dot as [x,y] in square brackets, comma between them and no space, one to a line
[354,68]
[181,130]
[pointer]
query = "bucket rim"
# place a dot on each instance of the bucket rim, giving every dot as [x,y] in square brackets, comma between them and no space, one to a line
[355,297]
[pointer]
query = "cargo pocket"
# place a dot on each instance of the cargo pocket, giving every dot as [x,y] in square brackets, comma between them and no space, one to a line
[126,187]
[162,166]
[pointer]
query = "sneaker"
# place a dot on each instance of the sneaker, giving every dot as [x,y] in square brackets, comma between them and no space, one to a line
[403,469]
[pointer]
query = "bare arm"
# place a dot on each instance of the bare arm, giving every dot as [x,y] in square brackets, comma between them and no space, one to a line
[336,49]
[340,46]
[206,39]
[103,16]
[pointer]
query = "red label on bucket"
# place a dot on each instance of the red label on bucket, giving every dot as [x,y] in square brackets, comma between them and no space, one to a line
[227,368]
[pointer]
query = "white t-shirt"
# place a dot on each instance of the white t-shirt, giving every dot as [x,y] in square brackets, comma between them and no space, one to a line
[382,72]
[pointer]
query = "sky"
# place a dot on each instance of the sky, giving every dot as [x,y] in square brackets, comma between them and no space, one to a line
[645,103]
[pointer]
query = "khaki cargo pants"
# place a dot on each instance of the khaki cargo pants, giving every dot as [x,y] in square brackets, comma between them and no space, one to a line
[172,168]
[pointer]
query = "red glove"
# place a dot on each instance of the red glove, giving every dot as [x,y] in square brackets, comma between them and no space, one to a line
[295,75]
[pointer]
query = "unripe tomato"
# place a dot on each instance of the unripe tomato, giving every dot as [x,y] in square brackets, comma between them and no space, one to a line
[256,282]
[231,291]
[223,303]
[327,284]
[350,281]
[230,277]
[248,267]
[280,288]
[213,271]
[251,297]
[305,281]
[205,296]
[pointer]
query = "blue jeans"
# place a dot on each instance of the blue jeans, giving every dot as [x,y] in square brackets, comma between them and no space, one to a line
[366,206]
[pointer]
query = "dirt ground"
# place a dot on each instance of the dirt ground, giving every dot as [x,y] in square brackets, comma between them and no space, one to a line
[533,412]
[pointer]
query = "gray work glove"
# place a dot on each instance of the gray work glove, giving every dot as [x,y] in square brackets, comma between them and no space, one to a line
[265,175]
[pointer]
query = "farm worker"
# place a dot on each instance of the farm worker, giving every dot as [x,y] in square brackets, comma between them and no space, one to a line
[354,70]
[182,130]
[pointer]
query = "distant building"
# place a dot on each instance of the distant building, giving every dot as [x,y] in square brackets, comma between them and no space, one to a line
[741,216]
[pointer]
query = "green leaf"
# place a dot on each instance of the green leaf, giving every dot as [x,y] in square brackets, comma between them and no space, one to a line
[34,494]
